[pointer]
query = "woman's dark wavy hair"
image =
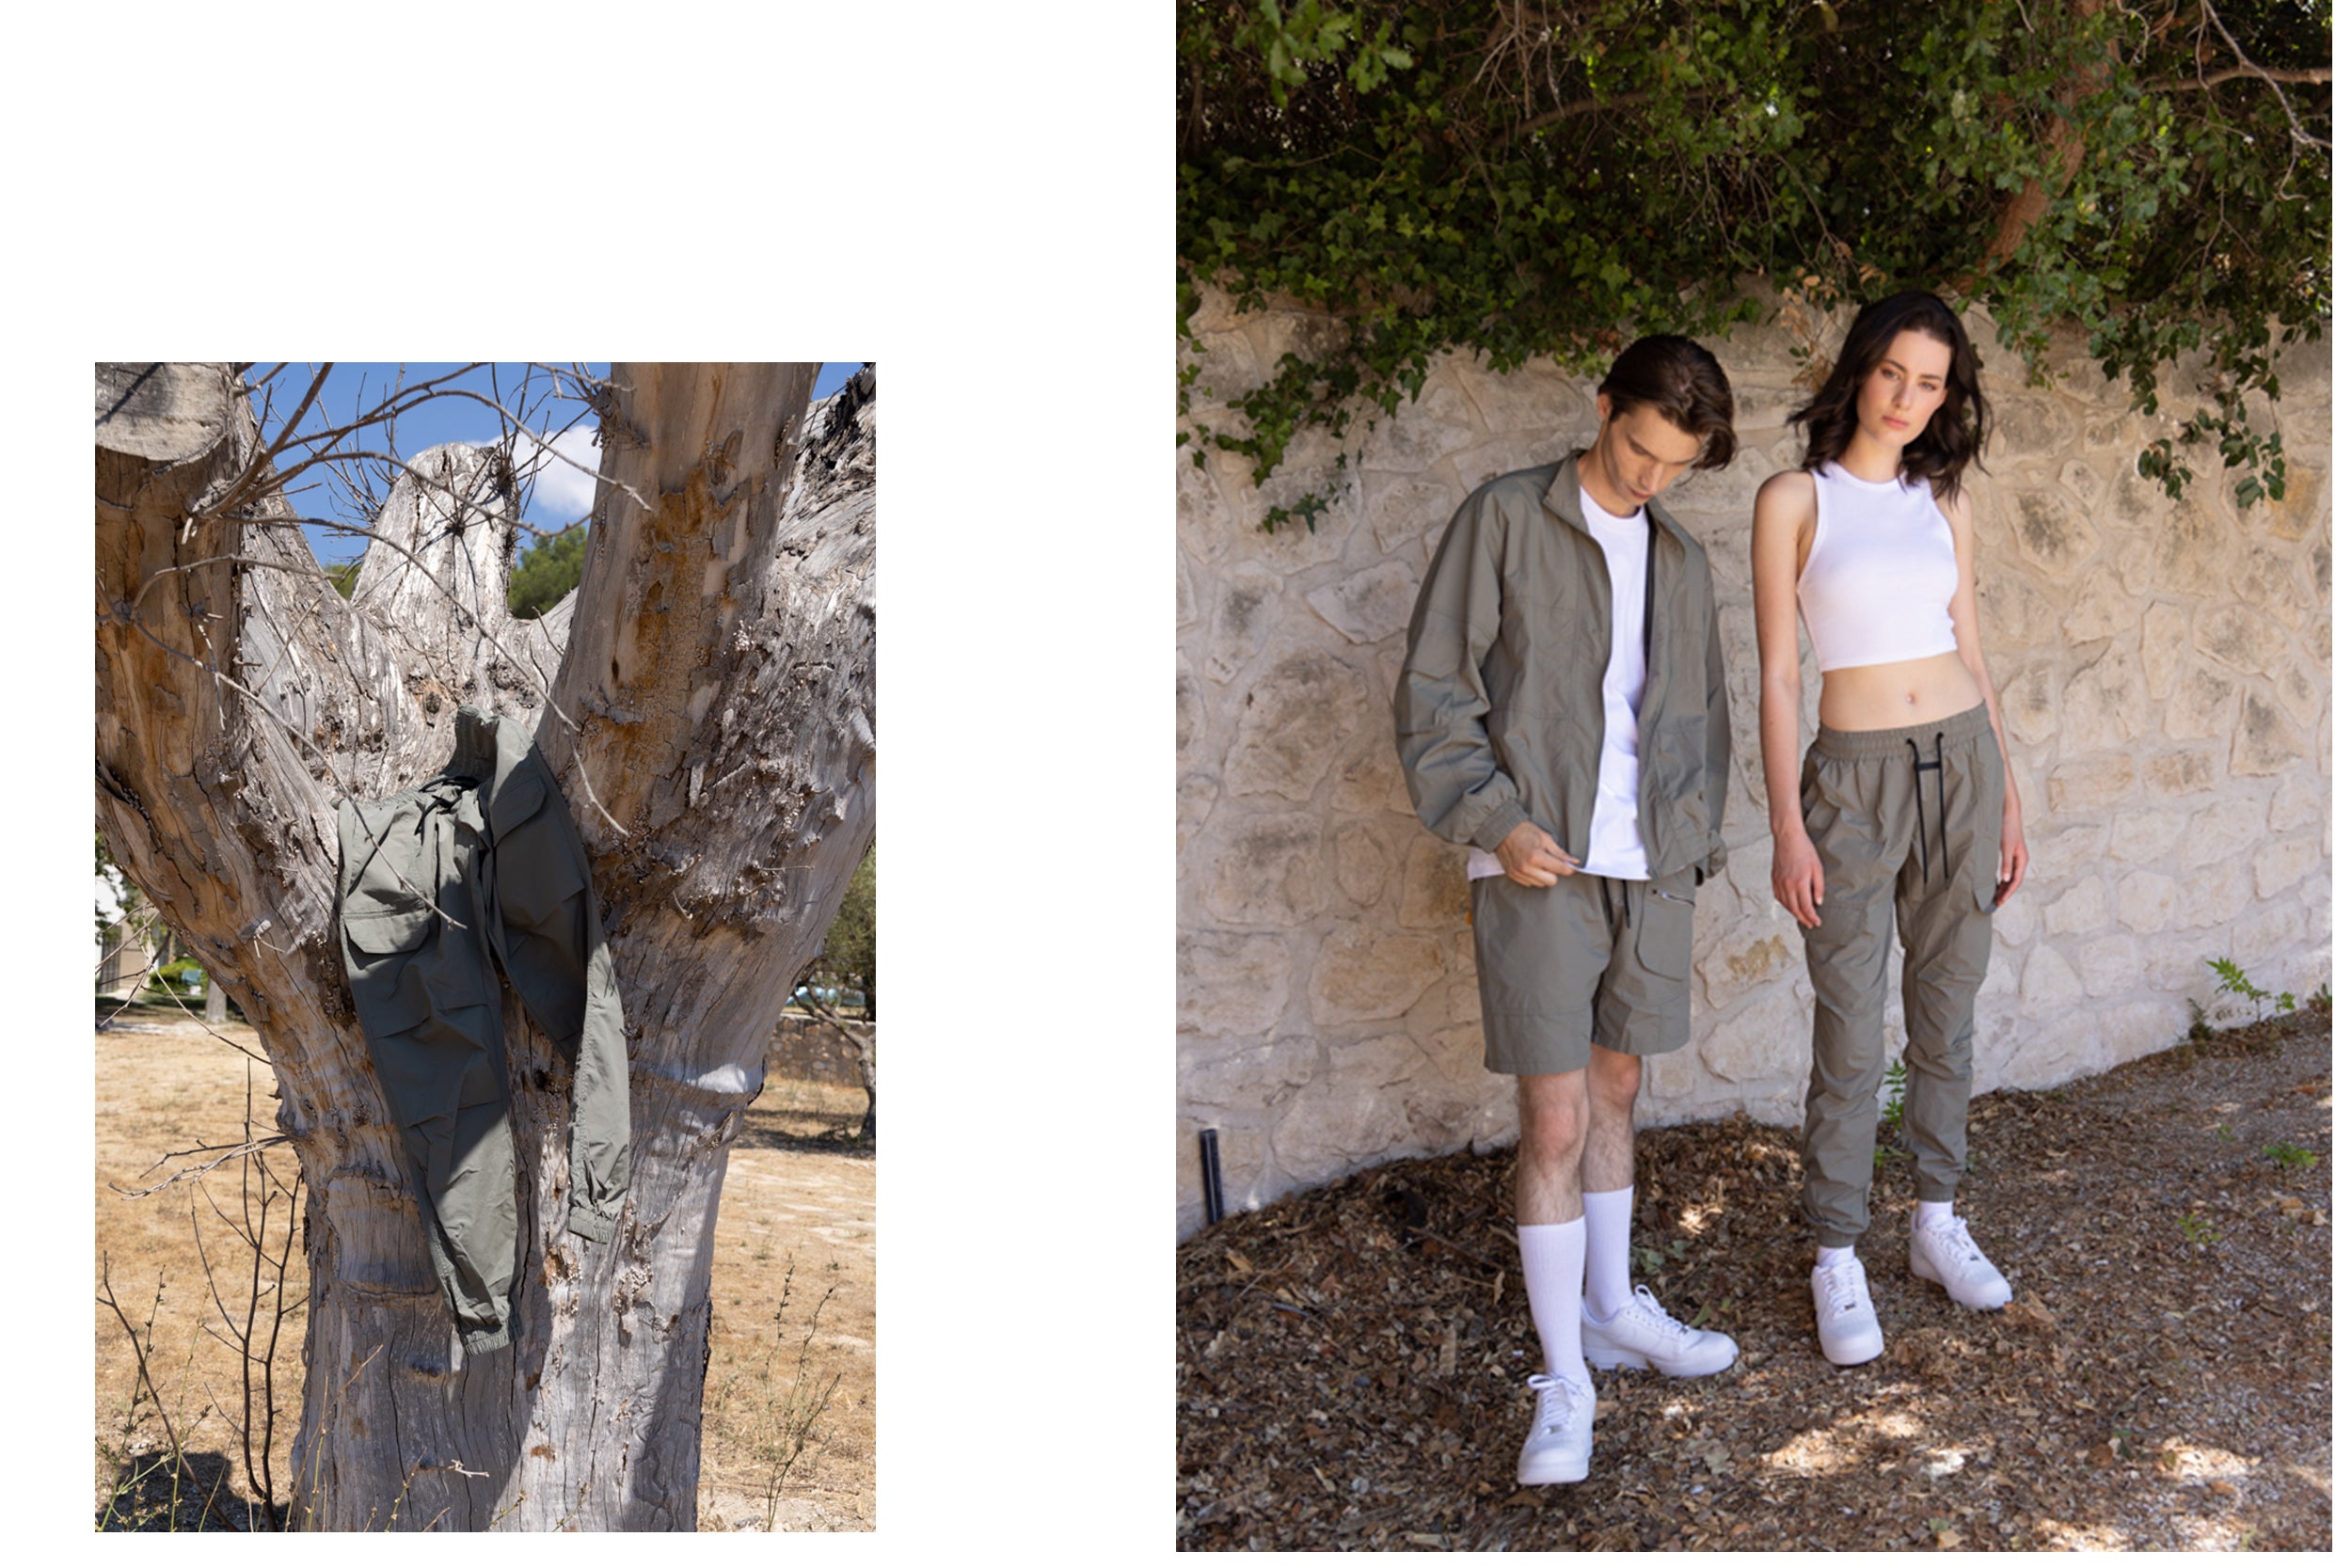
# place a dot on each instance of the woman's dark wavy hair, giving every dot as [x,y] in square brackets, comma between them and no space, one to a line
[1682,381]
[1953,438]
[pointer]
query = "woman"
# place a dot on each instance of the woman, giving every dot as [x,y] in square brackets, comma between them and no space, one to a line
[1904,817]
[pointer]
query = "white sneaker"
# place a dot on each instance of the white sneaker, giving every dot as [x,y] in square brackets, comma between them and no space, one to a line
[1558,1446]
[1644,1334]
[1945,1254]
[1842,1312]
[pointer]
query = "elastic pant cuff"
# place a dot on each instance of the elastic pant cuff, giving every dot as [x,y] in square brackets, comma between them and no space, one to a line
[588,1223]
[1822,1237]
[483,1342]
[1937,1191]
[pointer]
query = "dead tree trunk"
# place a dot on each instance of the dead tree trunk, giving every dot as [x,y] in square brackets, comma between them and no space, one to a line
[712,719]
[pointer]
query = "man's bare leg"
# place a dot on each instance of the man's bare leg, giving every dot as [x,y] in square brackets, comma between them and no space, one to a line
[1613,1082]
[1551,1215]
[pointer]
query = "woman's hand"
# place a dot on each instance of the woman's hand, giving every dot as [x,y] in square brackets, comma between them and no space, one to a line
[1797,880]
[2012,850]
[1533,858]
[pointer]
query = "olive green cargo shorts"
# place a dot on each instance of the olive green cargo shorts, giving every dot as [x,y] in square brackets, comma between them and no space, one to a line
[1589,960]
[481,866]
[1908,825]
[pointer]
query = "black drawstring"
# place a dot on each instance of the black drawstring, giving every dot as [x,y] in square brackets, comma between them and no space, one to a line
[1919,803]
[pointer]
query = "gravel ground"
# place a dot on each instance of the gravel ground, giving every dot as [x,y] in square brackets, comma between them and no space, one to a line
[1351,1360]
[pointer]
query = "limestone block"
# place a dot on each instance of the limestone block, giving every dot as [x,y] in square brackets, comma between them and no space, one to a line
[1192,717]
[1748,869]
[2099,608]
[1461,984]
[1364,862]
[2180,772]
[1728,491]
[2036,424]
[1230,367]
[1363,973]
[2260,939]
[2225,831]
[1451,1100]
[2145,900]
[1402,508]
[1187,603]
[2147,837]
[1371,606]
[1205,519]
[2239,638]
[2192,551]
[2092,783]
[2012,610]
[2267,740]
[1312,469]
[1294,723]
[2029,704]
[1763,949]
[2204,708]
[1339,1123]
[2053,531]
[2103,708]
[1505,453]
[1250,1075]
[2084,482]
[2050,984]
[2215,896]
[1275,331]
[1668,1082]
[1542,398]
[1422,432]
[1372,781]
[2079,911]
[2297,802]
[1231,985]
[2282,862]
[1242,604]
[2111,965]
[1270,872]
[1767,1040]
[2163,638]
[2130,1030]
[2305,503]
[2302,695]
[1436,885]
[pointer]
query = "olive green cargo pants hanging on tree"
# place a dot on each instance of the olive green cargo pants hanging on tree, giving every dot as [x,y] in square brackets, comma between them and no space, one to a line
[477,863]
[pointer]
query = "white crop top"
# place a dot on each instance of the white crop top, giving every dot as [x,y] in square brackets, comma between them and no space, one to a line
[1878,585]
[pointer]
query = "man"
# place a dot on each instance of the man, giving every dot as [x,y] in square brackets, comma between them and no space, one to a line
[1561,708]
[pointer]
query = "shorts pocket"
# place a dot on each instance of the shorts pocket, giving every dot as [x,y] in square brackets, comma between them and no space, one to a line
[1663,942]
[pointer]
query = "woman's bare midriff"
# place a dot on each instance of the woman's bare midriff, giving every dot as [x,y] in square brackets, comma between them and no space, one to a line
[1895,696]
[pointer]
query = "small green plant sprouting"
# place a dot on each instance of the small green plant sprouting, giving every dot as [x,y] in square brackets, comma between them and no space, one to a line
[2226,1132]
[2289,1157]
[2196,1228]
[2232,980]
[2199,1027]
[1896,1078]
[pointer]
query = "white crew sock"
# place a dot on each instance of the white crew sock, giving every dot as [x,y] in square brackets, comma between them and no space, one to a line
[1553,1257]
[1825,1256]
[1608,1252]
[1928,1214]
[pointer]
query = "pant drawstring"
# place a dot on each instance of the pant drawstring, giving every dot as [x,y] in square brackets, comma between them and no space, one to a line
[1919,805]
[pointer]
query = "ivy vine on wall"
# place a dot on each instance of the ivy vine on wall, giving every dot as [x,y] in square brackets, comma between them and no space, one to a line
[1531,179]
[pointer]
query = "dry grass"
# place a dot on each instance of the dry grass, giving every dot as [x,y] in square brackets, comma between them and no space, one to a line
[798,1203]
[1351,1360]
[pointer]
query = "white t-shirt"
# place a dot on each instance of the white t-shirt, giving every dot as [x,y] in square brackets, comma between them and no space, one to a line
[1616,847]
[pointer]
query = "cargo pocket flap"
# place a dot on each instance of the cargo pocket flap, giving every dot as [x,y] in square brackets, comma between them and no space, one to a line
[384,929]
[517,801]
[1663,942]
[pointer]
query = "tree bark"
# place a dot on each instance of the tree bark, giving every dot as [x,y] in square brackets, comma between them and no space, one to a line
[719,673]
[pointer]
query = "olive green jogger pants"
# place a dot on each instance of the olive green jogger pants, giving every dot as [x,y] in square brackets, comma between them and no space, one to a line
[476,866]
[1908,826]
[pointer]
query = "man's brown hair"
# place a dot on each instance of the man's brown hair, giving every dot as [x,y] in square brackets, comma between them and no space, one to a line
[1682,381]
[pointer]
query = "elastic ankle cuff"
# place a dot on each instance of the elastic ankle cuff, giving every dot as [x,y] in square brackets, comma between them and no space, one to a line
[588,1223]
[483,1342]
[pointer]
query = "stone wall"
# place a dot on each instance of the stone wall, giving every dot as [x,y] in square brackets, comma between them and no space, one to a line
[2163,669]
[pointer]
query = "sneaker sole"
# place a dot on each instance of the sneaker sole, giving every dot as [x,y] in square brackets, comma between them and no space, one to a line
[1608,1358]
[1556,1472]
[1935,1278]
[1878,1348]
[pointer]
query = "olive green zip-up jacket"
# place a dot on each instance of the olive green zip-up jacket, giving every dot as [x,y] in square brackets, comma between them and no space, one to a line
[1499,715]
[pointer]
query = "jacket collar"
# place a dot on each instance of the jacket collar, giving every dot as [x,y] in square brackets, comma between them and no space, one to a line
[1563,498]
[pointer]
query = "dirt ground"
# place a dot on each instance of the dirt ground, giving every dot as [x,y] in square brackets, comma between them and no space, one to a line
[793,1264]
[1351,1361]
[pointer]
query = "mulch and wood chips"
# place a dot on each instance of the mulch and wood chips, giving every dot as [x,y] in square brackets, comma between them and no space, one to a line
[1352,1361]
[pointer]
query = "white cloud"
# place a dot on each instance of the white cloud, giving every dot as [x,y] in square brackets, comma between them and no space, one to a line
[562,493]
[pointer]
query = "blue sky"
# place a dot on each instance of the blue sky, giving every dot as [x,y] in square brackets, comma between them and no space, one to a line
[560,494]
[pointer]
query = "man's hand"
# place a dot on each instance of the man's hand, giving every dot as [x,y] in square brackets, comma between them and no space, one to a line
[1533,858]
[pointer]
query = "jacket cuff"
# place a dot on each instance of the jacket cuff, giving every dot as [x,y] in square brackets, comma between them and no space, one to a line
[588,1223]
[483,1342]
[1498,824]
